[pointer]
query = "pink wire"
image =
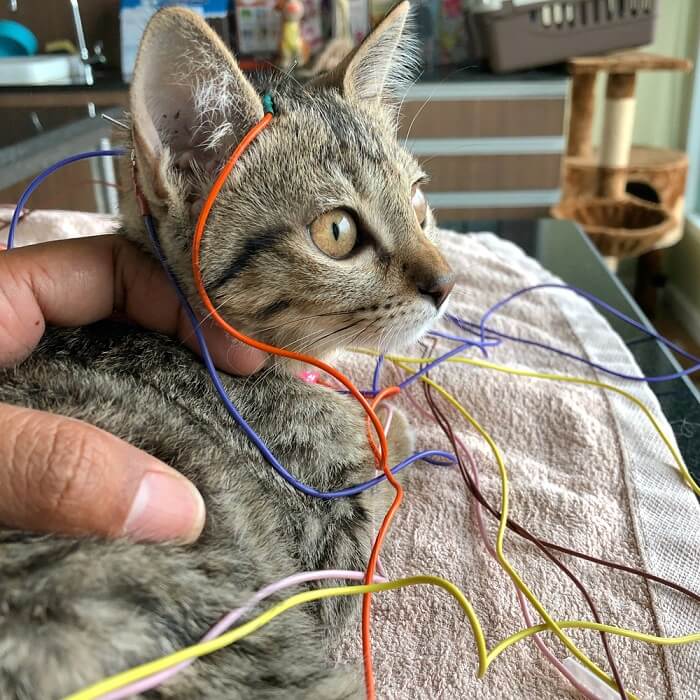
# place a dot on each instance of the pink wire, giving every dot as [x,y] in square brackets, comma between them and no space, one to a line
[548,655]
[227,621]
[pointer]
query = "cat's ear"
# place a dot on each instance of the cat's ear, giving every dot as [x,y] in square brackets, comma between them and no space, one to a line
[190,102]
[382,67]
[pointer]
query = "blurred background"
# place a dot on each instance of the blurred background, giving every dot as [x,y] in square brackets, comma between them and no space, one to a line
[587,110]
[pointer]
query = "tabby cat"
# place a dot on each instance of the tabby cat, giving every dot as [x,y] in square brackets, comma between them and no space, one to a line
[321,238]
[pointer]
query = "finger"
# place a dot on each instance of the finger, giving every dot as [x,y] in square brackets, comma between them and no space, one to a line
[80,281]
[227,353]
[62,475]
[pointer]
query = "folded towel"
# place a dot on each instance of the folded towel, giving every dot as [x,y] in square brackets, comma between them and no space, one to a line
[41,225]
[586,470]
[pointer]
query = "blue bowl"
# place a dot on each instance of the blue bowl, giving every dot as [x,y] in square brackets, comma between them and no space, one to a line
[16,39]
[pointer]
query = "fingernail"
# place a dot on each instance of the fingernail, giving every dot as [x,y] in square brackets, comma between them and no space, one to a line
[166,507]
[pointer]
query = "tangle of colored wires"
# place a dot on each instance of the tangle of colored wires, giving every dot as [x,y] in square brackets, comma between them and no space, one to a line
[471,483]
[485,337]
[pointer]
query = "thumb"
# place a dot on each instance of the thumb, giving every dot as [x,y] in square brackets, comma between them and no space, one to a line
[65,476]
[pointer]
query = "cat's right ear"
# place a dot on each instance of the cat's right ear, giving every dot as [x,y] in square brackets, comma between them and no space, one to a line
[382,67]
[190,105]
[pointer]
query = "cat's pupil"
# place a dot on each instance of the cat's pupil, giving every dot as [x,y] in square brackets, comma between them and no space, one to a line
[336,230]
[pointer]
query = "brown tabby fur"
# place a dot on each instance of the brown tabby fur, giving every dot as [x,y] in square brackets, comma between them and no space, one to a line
[73,611]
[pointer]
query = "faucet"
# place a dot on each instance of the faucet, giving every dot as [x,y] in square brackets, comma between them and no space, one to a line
[80,37]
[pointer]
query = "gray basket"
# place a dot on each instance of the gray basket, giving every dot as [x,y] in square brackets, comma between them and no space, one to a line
[527,36]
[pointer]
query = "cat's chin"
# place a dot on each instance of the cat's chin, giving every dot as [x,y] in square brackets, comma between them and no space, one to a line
[401,339]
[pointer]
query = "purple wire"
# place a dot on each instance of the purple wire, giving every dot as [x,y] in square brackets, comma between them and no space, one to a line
[439,360]
[42,176]
[594,300]
[482,345]
[577,358]
[377,374]
[252,435]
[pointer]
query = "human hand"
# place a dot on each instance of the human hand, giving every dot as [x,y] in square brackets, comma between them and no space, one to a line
[62,475]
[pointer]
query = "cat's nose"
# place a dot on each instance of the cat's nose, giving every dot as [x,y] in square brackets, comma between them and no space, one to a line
[437,288]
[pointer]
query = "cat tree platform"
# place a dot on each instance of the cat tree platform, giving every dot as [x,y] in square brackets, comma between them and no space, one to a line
[632,193]
[619,228]
[655,175]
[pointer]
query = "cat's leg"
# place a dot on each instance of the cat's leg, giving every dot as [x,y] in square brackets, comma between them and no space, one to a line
[74,612]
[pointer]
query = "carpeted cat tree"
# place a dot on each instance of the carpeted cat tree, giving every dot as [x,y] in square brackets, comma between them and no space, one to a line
[629,199]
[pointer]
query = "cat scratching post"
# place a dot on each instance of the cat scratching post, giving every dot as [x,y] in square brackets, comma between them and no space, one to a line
[582,104]
[618,126]
[619,169]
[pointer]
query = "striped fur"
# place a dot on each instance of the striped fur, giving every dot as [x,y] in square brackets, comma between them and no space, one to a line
[73,611]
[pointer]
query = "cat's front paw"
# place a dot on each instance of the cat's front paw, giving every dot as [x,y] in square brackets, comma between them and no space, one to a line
[401,438]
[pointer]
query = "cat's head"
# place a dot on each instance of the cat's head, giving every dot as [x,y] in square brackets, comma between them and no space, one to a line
[321,237]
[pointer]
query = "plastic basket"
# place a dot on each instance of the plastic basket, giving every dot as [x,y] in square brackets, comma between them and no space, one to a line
[538,34]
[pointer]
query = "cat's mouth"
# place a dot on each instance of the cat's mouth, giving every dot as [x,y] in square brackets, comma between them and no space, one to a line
[408,329]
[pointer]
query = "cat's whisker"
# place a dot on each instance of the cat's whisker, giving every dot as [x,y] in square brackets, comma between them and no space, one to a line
[298,345]
[305,318]
[430,97]
[408,89]
[190,334]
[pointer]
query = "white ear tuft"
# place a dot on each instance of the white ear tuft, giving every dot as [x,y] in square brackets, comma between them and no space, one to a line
[384,65]
[190,102]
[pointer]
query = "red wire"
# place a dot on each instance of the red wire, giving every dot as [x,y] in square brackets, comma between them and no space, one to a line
[374,556]
[369,410]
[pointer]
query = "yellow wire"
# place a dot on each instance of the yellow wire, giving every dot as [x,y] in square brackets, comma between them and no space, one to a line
[687,477]
[135,674]
[485,659]
[500,535]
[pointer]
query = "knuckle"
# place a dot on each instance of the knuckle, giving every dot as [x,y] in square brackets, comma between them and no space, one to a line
[59,459]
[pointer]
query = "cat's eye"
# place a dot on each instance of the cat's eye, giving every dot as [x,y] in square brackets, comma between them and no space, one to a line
[334,233]
[420,206]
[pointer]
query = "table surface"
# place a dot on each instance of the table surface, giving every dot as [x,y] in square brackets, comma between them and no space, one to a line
[563,249]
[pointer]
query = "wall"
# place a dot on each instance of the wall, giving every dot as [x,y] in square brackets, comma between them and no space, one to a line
[663,110]
[680,33]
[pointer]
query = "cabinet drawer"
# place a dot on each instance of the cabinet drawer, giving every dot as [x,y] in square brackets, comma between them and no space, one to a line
[479,118]
[478,173]
[445,215]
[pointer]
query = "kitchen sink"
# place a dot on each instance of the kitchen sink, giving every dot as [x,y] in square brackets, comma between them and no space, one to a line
[42,70]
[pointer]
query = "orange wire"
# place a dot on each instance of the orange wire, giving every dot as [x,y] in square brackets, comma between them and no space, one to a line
[369,410]
[374,557]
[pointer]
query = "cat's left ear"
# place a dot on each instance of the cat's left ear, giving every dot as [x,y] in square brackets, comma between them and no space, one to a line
[383,66]
[190,102]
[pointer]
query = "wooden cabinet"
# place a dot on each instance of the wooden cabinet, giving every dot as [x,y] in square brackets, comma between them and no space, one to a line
[492,147]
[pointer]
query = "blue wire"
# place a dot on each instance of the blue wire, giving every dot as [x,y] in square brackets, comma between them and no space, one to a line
[584,360]
[42,176]
[483,331]
[428,455]
[492,339]
[377,374]
[594,300]
[252,435]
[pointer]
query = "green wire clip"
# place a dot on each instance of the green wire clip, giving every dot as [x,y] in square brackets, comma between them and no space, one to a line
[268,104]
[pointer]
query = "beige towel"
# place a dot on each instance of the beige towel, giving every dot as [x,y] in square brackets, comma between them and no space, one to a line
[586,470]
[40,225]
